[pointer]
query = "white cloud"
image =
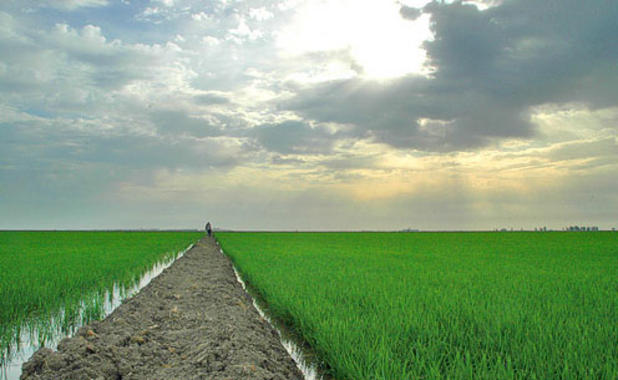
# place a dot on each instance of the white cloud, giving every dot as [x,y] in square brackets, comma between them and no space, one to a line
[87,40]
[260,14]
[244,32]
[69,70]
[201,17]
[148,12]
[74,4]
[211,41]
[166,3]
[414,3]
[379,39]
[286,5]
[8,28]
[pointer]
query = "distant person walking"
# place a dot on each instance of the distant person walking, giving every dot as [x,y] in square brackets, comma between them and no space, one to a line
[209,229]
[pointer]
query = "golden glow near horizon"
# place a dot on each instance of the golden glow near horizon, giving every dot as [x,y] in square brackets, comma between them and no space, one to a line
[501,179]
[511,166]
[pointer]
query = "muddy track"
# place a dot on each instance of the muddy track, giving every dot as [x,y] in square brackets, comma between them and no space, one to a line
[194,321]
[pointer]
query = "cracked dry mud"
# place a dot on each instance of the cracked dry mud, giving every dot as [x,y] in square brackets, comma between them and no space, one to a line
[194,321]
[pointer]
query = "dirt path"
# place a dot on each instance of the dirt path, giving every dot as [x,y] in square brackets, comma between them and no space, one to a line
[194,321]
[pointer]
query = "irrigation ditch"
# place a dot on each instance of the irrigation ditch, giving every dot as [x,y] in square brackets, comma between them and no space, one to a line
[302,355]
[192,321]
[31,338]
[292,345]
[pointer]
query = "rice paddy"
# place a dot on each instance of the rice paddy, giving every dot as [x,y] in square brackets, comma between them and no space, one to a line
[57,279]
[442,305]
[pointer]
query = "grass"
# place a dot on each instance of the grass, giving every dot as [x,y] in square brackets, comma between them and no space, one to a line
[45,275]
[442,305]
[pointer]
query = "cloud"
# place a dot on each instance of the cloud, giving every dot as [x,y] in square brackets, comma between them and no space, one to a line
[294,137]
[180,122]
[410,13]
[604,147]
[166,3]
[211,99]
[490,67]
[78,98]
[43,141]
[109,122]
[81,71]
[375,35]
[106,64]
[73,4]
[260,14]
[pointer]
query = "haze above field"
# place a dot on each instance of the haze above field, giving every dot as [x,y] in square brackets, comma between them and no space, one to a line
[333,114]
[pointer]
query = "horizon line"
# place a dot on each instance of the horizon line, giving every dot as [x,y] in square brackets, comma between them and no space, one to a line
[613,229]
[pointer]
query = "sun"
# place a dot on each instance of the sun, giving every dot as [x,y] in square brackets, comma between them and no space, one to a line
[378,39]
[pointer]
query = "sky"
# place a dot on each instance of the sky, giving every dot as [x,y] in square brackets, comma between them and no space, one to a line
[308,115]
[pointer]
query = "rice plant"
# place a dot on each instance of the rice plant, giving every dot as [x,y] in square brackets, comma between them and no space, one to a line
[56,279]
[442,305]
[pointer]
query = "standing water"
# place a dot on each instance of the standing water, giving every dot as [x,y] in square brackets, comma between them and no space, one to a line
[309,370]
[30,341]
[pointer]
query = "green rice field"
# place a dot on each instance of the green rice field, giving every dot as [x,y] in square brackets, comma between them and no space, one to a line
[45,275]
[442,305]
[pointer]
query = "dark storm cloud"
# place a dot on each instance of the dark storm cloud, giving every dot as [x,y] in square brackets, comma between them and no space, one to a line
[294,137]
[410,13]
[210,99]
[175,122]
[489,68]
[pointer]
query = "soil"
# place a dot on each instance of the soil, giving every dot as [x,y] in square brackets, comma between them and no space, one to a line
[193,321]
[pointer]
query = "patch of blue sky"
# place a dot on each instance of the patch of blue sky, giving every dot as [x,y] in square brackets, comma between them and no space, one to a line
[39,112]
[117,20]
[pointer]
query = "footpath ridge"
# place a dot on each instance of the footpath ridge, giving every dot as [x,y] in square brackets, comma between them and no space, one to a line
[193,321]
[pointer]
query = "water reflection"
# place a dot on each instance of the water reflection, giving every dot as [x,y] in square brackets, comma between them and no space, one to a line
[64,324]
[309,369]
